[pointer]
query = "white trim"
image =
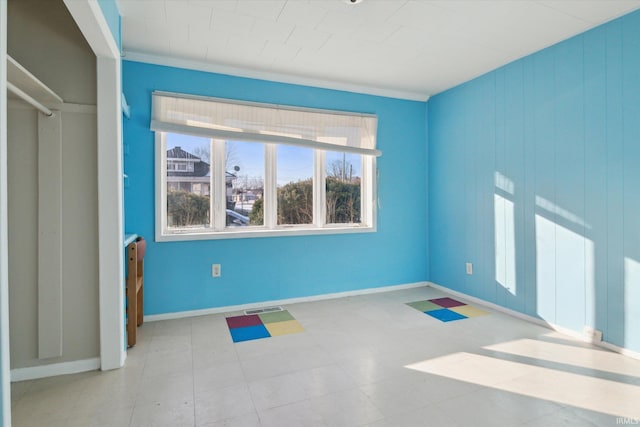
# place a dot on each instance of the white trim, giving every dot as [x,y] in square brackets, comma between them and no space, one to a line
[4,242]
[218,186]
[624,351]
[270,207]
[94,27]
[570,332]
[249,306]
[92,23]
[54,369]
[370,210]
[110,219]
[272,76]
[319,188]
[253,232]
[160,147]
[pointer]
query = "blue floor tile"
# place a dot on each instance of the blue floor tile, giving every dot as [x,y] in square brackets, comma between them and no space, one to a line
[445,315]
[249,333]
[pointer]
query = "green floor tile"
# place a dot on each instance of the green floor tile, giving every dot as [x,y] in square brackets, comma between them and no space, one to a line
[424,305]
[276,316]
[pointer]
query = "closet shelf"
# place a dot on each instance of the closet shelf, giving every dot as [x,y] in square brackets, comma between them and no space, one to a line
[29,84]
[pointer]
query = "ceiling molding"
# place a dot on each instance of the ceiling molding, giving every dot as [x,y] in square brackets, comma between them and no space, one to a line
[271,76]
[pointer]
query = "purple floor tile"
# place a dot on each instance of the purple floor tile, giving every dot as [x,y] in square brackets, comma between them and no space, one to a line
[447,302]
[243,321]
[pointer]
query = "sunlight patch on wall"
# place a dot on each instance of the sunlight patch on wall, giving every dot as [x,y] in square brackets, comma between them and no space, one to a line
[590,283]
[503,183]
[545,267]
[505,245]
[551,207]
[570,278]
[565,275]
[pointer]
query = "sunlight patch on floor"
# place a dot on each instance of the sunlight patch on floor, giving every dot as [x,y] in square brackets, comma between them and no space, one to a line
[570,355]
[582,391]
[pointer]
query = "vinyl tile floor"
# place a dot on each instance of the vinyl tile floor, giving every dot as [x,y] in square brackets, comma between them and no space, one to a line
[367,360]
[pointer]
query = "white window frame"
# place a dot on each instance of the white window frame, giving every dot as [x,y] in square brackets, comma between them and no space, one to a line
[217,228]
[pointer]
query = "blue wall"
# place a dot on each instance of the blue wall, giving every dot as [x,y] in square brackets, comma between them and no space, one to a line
[178,274]
[534,177]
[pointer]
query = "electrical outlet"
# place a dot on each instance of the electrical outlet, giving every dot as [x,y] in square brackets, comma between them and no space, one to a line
[469,268]
[216,270]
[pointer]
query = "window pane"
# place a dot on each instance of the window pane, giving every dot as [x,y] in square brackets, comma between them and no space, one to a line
[343,187]
[244,183]
[295,185]
[188,180]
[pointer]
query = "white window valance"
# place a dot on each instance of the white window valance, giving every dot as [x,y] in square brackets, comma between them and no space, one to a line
[268,123]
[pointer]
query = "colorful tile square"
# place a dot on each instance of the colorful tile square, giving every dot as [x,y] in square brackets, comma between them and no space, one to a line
[445,315]
[243,321]
[446,302]
[447,309]
[264,325]
[424,306]
[469,311]
[284,328]
[276,316]
[248,333]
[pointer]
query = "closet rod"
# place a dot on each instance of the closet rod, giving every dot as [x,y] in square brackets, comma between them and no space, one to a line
[19,92]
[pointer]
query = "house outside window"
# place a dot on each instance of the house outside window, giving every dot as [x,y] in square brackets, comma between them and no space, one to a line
[216,183]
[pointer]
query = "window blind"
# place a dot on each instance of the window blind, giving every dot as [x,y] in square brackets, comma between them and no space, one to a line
[252,122]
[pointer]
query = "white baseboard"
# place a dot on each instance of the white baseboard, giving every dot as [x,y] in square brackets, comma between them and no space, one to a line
[242,307]
[54,369]
[538,321]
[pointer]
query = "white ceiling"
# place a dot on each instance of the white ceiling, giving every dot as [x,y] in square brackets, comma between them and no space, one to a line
[407,49]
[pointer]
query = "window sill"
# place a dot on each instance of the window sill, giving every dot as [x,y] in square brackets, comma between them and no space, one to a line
[256,233]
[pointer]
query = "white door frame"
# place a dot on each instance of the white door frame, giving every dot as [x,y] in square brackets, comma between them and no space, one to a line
[4,238]
[93,25]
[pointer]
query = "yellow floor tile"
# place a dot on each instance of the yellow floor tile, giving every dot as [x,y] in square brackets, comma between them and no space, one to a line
[469,311]
[284,328]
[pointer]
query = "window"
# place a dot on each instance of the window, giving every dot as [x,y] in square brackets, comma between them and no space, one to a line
[294,175]
[247,186]
[343,188]
[229,170]
[187,206]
